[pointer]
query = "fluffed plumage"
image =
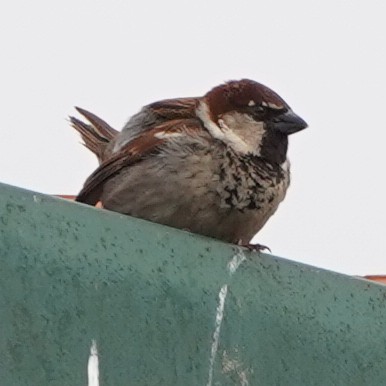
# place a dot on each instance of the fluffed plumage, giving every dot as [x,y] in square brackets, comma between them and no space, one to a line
[215,165]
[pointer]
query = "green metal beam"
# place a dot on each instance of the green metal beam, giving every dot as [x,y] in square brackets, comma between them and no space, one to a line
[166,307]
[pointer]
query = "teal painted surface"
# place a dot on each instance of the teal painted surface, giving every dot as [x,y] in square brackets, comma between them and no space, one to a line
[149,295]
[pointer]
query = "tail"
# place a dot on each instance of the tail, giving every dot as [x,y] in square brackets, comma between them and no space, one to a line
[96,135]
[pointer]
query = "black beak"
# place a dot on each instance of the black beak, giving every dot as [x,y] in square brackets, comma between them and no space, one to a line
[288,123]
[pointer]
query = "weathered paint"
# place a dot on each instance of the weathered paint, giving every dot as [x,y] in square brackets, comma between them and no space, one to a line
[161,303]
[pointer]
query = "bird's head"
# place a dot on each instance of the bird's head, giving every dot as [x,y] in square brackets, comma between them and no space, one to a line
[250,118]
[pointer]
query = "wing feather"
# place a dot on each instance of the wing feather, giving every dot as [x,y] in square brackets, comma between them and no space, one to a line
[149,142]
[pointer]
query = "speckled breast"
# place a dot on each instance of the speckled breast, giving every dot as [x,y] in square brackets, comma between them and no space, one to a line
[250,182]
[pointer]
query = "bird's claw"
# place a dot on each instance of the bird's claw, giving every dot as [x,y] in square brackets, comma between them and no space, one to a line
[255,247]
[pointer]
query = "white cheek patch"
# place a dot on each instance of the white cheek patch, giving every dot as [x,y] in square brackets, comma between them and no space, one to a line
[251,103]
[221,131]
[233,139]
[202,112]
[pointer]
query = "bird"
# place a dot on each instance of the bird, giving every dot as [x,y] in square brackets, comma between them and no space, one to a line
[214,165]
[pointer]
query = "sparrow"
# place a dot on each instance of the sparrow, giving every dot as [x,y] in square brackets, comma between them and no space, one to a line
[215,165]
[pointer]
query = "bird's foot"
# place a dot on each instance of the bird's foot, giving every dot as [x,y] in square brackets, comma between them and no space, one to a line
[254,247]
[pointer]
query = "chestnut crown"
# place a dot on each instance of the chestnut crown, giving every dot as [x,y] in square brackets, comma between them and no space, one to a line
[245,95]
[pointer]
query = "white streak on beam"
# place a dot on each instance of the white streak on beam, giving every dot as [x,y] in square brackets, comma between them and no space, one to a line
[93,365]
[236,261]
[216,335]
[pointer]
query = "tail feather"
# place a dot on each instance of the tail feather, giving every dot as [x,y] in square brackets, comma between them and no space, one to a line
[101,127]
[97,135]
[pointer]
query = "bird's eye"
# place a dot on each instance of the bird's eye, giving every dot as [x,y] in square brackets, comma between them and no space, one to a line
[261,109]
[256,108]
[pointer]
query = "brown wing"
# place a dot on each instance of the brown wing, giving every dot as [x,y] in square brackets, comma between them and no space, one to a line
[170,109]
[149,142]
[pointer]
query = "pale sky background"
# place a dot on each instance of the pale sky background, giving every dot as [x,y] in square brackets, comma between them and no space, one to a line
[327,59]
